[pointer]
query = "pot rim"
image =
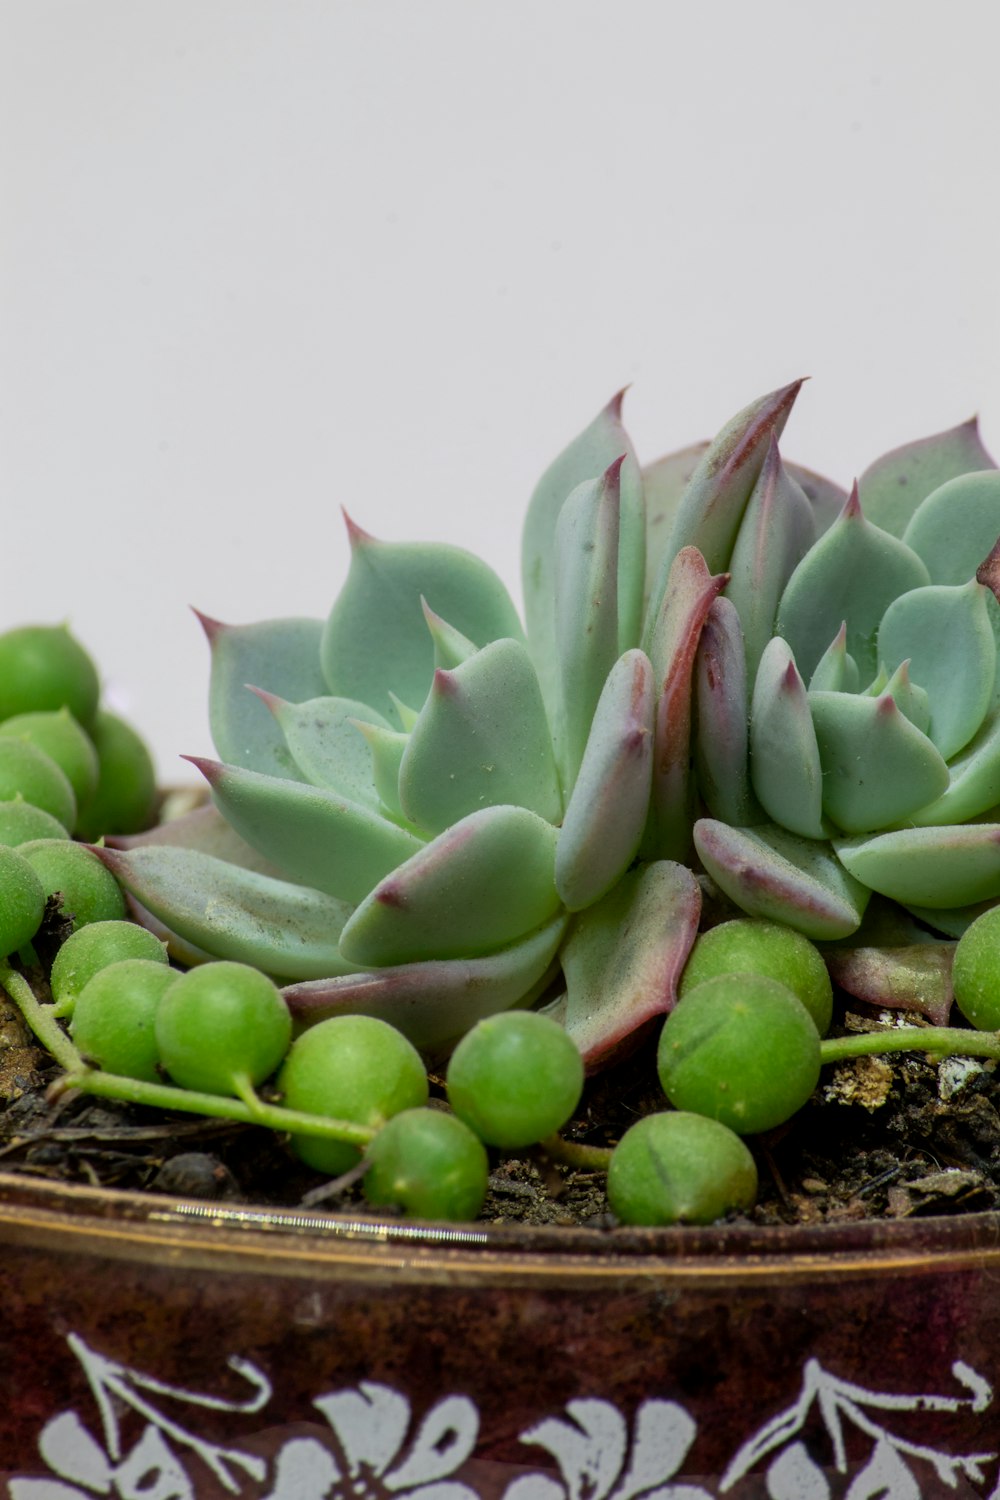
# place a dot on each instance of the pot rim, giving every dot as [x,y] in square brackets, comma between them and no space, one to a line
[128,1225]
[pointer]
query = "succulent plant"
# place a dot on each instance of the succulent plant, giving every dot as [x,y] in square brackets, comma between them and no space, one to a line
[733,677]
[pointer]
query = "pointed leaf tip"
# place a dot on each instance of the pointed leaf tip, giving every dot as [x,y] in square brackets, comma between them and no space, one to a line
[210,626]
[853,506]
[612,474]
[273,701]
[356,535]
[988,572]
[210,769]
[614,406]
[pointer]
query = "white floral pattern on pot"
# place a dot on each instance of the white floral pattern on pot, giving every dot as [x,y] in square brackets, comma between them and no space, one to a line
[372,1448]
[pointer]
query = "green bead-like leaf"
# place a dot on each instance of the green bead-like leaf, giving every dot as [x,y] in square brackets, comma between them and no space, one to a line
[280,656]
[325,744]
[709,514]
[974,785]
[957,526]
[314,836]
[894,486]
[624,956]
[587,457]
[785,764]
[435,1002]
[607,811]
[770,873]
[481,885]
[284,929]
[673,642]
[852,573]
[836,671]
[878,768]
[481,740]
[934,867]
[586,607]
[376,640]
[722,743]
[777,530]
[945,633]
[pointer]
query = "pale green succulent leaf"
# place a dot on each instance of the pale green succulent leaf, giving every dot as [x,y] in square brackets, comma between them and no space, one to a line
[481,740]
[709,514]
[776,531]
[826,499]
[909,697]
[451,647]
[326,745]
[852,573]
[957,526]
[479,886]
[280,656]
[607,811]
[664,483]
[386,747]
[721,719]
[376,640]
[624,956]
[673,642]
[771,873]
[974,780]
[203,829]
[944,631]
[894,486]
[287,930]
[435,1002]
[836,671]
[785,769]
[314,836]
[586,458]
[878,768]
[407,716]
[953,921]
[935,867]
[586,610]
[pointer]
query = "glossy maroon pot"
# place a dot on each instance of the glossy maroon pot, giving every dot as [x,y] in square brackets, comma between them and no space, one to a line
[168,1349]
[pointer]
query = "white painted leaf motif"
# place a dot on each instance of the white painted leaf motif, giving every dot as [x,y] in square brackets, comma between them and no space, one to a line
[794,1476]
[885,1477]
[70,1451]
[304,1470]
[662,1434]
[446,1438]
[152,1472]
[370,1424]
[590,1451]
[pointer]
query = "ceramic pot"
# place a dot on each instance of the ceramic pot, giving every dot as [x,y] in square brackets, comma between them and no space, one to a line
[162,1349]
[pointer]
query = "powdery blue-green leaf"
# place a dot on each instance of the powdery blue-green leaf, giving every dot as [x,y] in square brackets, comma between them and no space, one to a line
[894,486]
[435,1002]
[957,526]
[836,671]
[721,737]
[935,867]
[386,747]
[284,929]
[280,656]
[878,768]
[623,958]
[451,647]
[771,873]
[479,886]
[376,640]
[945,633]
[314,836]
[673,641]
[325,744]
[587,457]
[664,483]
[711,509]
[953,921]
[586,610]
[203,829]
[826,499]
[974,780]
[482,739]
[852,573]
[775,533]
[785,768]
[909,697]
[607,812]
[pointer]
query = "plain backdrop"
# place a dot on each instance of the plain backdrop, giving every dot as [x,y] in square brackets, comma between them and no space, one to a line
[265,258]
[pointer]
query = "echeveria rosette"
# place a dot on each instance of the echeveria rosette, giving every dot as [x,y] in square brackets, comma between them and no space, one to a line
[427,812]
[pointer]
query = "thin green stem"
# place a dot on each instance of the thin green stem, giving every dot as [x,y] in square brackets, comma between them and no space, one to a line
[947,1041]
[576,1154]
[40,1018]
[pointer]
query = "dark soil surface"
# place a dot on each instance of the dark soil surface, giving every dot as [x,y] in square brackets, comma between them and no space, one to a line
[886,1137]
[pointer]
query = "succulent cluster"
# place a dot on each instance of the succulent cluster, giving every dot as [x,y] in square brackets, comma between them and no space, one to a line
[732,677]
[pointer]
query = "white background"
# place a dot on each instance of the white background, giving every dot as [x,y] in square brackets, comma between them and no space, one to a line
[264,258]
